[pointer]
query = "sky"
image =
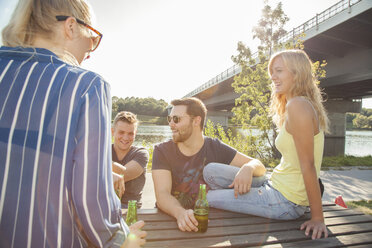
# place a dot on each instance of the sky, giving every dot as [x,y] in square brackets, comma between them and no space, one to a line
[166,48]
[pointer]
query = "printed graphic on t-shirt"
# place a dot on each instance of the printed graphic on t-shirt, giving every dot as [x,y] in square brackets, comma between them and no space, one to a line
[186,191]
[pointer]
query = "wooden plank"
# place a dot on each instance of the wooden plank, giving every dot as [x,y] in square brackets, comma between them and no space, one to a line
[333,207]
[351,228]
[257,239]
[326,207]
[213,223]
[166,225]
[219,231]
[346,212]
[158,215]
[174,233]
[359,239]
[348,220]
[226,229]
[369,245]
[164,222]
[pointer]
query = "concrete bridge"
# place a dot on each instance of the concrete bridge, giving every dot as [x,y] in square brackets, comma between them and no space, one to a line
[341,35]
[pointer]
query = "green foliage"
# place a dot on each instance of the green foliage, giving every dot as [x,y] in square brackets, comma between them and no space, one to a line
[364,206]
[270,27]
[246,143]
[139,106]
[254,85]
[345,161]
[350,117]
[366,112]
[362,120]
[150,148]
[369,120]
[155,120]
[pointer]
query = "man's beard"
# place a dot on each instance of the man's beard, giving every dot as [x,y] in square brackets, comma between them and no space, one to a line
[182,135]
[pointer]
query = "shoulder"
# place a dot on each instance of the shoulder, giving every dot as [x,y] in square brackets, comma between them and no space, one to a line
[212,141]
[216,144]
[138,154]
[299,107]
[300,115]
[86,80]
[209,140]
[139,150]
[86,76]
[164,145]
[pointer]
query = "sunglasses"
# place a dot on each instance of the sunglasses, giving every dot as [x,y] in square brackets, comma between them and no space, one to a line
[175,118]
[96,40]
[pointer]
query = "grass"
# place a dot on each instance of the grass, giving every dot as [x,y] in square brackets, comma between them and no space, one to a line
[335,162]
[364,206]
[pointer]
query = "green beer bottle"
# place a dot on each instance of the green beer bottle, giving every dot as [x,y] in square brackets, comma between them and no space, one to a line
[201,209]
[132,212]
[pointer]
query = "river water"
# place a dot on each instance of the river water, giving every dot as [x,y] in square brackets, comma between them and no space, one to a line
[357,143]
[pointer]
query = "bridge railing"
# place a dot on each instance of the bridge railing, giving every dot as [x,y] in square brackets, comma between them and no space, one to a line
[291,35]
[318,19]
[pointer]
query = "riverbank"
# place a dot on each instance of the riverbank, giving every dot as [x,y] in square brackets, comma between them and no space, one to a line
[351,183]
[357,143]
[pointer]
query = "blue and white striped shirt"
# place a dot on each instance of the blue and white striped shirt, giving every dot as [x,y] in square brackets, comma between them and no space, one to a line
[55,154]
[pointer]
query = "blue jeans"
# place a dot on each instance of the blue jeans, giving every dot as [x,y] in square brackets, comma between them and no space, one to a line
[262,199]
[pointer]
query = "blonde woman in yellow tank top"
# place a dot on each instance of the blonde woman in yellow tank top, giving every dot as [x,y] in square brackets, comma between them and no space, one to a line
[298,112]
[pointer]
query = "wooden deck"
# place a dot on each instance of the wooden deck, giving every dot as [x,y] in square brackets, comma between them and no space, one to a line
[226,229]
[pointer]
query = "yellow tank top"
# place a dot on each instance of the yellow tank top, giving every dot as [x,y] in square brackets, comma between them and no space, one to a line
[287,176]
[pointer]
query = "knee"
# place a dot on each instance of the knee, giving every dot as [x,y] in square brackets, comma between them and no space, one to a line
[209,170]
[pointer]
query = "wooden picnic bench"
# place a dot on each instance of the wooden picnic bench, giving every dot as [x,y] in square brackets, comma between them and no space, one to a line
[346,227]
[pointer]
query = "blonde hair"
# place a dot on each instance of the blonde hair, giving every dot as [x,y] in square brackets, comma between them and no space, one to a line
[300,65]
[33,18]
[127,117]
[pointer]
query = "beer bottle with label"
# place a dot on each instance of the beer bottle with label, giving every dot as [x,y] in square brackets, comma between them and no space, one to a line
[132,212]
[201,209]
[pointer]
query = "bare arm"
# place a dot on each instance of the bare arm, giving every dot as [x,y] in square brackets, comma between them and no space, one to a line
[249,167]
[242,160]
[303,125]
[131,170]
[169,204]
[119,184]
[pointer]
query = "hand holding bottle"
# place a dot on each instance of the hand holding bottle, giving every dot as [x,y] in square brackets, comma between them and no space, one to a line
[136,237]
[201,209]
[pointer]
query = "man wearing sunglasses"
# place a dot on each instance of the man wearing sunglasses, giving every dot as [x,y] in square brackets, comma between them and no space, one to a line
[177,167]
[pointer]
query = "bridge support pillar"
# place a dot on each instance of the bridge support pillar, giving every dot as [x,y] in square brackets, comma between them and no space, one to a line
[335,141]
[219,117]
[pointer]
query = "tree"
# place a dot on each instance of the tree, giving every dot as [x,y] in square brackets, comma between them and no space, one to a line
[361,121]
[369,121]
[270,27]
[139,106]
[253,83]
[350,117]
[366,112]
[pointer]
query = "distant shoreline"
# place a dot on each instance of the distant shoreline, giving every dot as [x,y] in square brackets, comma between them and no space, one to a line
[358,129]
